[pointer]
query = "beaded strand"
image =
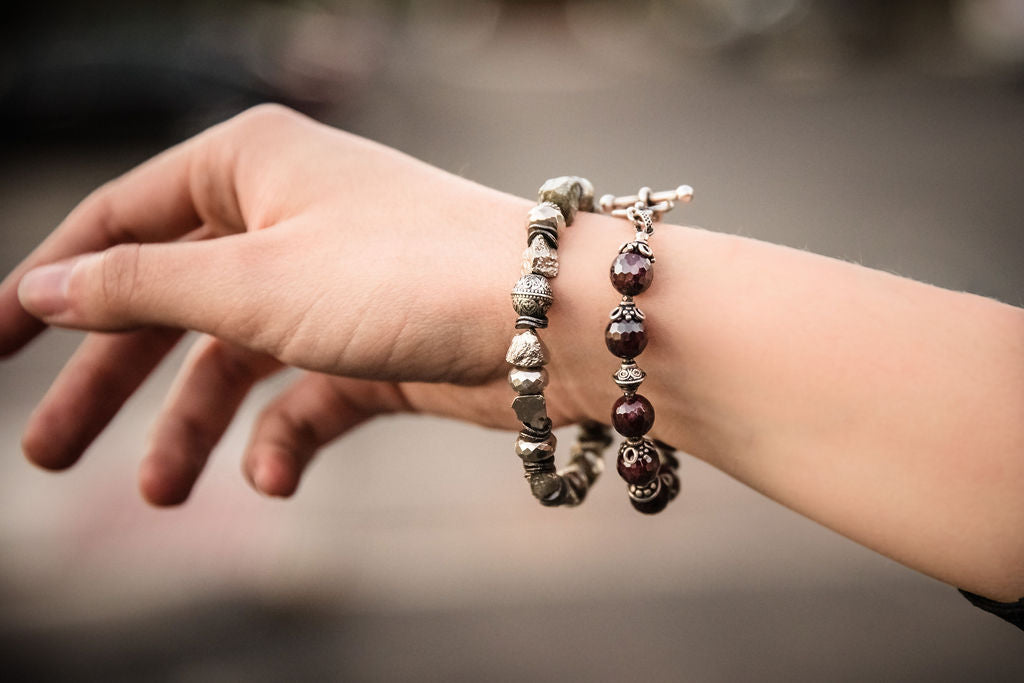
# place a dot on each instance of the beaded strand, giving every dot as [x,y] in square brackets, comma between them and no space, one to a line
[559,200]
[648,466]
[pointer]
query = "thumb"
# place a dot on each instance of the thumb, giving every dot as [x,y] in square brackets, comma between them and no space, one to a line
[190,285]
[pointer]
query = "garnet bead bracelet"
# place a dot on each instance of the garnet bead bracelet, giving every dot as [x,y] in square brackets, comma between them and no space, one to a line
[647,466]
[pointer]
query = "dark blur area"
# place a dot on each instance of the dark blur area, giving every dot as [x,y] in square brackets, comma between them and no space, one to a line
[886,133]
[115,70]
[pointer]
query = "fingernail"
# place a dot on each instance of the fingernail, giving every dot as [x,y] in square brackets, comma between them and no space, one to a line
[43,291]
[263,478]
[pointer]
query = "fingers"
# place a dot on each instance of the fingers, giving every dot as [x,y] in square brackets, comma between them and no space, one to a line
[211,385]
[191,184]
[313,411]
[189,285]
[94,384]
[152,203]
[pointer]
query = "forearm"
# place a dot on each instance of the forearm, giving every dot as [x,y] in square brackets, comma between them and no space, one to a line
[886,409]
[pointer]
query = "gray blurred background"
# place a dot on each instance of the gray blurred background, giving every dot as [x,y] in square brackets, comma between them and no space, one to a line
[887,133]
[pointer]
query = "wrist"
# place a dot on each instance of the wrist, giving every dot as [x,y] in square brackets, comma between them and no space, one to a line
[676,304]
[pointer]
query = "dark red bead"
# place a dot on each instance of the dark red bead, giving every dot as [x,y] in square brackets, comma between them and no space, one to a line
[632,273]
[637,463]
[654,505]
[625,338]
[632,415]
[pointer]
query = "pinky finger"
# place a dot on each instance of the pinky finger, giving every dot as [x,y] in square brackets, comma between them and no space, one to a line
[313,411]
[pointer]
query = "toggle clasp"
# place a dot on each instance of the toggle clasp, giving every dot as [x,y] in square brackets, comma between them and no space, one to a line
[656,203]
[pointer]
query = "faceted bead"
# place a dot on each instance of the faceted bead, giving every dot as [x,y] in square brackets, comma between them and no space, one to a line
[535,451]
[655,504]
[528,380]
[548,215]
[632,416]
[637,463]
[625,338]
[632,273]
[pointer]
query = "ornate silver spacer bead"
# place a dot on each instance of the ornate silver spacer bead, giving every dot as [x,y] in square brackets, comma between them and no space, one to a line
[642,494]
[626,310]
[629,376]
[531,295]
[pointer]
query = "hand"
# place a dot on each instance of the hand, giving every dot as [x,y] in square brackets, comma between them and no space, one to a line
[287,243]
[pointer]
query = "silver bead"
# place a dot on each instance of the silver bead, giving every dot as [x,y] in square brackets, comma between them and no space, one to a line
[643,494]
[532,295]
[539,258]
[547,215]
[634,449]
[626,310]
[532,411]
[528,381]
[629,376]
[586,194]
[545,219]
[638,246]
[535,451]
[527,351]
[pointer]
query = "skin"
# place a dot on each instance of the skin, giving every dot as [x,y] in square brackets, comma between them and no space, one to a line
[886,409]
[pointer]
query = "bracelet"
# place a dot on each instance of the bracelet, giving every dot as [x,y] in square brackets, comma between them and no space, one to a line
[559,200]
[648,466]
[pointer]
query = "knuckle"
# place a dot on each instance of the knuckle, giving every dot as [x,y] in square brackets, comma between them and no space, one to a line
[267,116]
[98,210]
[119,275]
[233,365]
[291,431]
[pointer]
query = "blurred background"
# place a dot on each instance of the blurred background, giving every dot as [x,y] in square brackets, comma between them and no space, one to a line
[887,133]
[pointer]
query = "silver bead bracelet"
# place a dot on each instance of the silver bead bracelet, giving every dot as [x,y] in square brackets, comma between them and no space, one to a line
[558,202]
